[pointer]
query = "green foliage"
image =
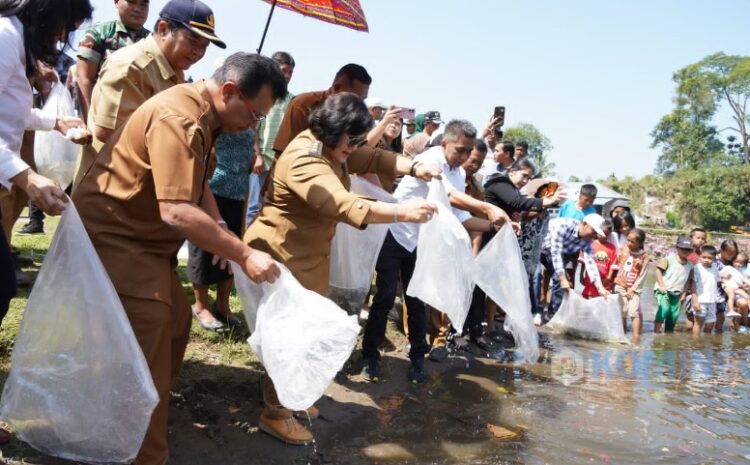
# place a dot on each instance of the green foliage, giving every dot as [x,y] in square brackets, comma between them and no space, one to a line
[539,145]
[687,136]
[673,219]
[716,197]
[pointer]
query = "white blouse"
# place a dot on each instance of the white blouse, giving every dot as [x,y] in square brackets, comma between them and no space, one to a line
[16,98]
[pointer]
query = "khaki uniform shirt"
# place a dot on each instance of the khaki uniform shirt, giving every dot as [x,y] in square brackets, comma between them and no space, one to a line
[161,153]
[308,194]
[295,118]
[129,77]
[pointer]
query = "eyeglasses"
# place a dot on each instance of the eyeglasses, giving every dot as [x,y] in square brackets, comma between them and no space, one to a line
[255,114]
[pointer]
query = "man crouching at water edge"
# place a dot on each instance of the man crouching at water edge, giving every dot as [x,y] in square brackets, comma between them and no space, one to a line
[147,192]
[570,236]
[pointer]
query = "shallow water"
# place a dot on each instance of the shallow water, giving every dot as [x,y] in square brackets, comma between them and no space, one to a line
[671,399]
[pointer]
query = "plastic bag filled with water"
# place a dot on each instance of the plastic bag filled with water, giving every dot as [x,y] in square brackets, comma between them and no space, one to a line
[500,273]
[442,275]
[79,386]
[354,253]
[597,318]
[54,155]
[302,338]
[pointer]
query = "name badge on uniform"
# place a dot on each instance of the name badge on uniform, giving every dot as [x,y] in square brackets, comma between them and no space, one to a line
[316,148]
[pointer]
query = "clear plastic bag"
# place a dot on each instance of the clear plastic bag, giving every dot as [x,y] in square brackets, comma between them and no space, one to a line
[442,276]
[79,386]
[54,155]
[354,253]
[509,288]
[302,338]
[597,318]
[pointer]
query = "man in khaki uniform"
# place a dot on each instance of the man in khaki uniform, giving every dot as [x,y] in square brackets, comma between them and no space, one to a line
[133,74]
[147,192]
[350,78]
[308,194]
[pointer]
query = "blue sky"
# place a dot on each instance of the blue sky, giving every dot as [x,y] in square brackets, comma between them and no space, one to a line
[592,75]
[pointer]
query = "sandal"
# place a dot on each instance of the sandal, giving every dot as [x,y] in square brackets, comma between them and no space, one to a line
[214,325]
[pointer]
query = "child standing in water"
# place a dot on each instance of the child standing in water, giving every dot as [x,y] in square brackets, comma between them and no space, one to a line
[705,291]
[672,275]
[633,264]
[698,238]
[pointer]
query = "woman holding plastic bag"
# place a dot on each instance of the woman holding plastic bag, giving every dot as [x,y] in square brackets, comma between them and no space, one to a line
[29,34]
[307,196]
[504,191]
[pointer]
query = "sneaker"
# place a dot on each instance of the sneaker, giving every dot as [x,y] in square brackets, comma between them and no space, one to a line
[733,314]
[438,354]
[743,330]
[32,227]
[287,430]
[371,370]
[416,371]
[537,319]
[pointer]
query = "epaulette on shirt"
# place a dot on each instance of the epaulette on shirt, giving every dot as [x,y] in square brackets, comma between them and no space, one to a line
[315,149]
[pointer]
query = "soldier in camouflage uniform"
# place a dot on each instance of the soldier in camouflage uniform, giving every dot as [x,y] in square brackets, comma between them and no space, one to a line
[104,38]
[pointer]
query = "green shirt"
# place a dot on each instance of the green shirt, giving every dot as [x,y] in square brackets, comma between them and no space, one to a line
[269,128]
[103,38]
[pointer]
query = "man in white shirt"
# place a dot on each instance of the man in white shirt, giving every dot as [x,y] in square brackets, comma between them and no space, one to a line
[398,255]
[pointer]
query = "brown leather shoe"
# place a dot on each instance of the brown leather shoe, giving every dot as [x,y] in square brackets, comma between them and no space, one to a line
[289,430]
[311,413]
[5,437]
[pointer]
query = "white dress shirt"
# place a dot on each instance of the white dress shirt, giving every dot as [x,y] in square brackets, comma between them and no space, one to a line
[16,98]
[454,179]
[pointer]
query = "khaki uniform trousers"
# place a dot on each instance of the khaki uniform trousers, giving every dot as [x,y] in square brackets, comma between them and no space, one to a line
[162,332]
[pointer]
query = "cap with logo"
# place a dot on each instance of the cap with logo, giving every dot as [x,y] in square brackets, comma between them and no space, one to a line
[194,15]
[433,116]
[684,242]
[596,222]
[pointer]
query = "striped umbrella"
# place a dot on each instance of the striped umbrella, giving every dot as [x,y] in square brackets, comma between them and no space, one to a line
[347,13]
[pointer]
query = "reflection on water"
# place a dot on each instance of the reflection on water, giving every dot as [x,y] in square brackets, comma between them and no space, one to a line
[670,399]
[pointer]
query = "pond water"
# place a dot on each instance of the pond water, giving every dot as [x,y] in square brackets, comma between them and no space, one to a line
[670,399]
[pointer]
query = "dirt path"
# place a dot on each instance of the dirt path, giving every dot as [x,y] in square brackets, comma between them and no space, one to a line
[215,410]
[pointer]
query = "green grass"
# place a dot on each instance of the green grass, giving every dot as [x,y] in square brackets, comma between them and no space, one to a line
[207,347]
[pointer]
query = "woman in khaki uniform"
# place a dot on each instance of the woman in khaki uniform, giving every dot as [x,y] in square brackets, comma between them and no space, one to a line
[308,195]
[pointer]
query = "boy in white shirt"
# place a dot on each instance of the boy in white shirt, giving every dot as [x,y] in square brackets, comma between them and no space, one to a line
[705,290]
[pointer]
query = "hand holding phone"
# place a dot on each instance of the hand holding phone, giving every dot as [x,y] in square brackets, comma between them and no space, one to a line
[499,116]
[408,113]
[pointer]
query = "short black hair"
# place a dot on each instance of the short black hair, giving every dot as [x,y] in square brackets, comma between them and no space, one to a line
[624,217]
[695,230]
[459,128]
[251,71]
[639,233]
[588,189]
[729,244]
[508,147]
[43,20]
[283,58]
[354,72]
[523,163]
[342,113]
[523,144]
[607,224]
[480,145]
[708,248]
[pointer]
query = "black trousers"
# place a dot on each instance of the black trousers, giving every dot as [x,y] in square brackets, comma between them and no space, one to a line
[36,215]
[7,276]
[395,261]
[477,311]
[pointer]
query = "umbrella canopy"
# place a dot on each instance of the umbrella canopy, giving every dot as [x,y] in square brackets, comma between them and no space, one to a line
[347,13]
